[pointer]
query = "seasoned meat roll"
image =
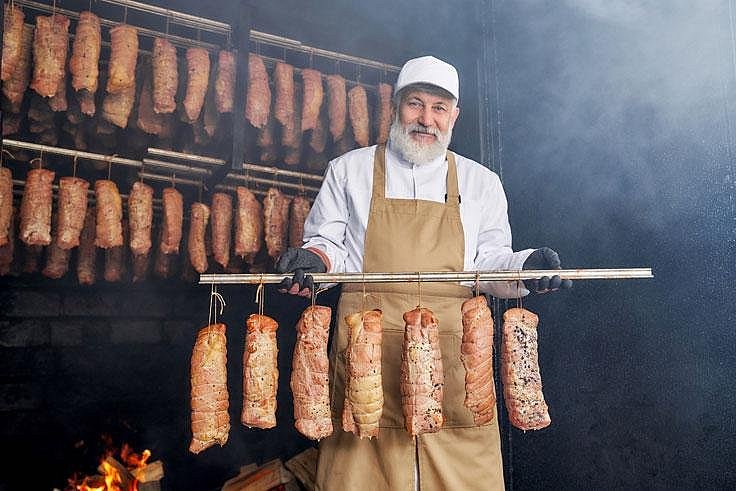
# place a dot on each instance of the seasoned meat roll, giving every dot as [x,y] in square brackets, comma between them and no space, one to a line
[115,259]
[116,108]
[198,75]
[123,58]
[359,119]
[283,79]
[422,376]
[109,226]
[210,418]
[140,264]
[165,76]
[318,138]
[87,254]
[276,221]
[522,381]
[72,208]
[162,262]
[336,105]
[363,383]
[149,121]
[312,98]
[84,63]
[173,204]
[299,211]
[57,259]
[383,113]
[248,225]
[50,46]
[476,353]
[12,39]
[140,217]
[222,222]
[258,102]
[7,250]
[225,81]
[200,215]
[86,102]
[35,208]
[6,204]
[15,85]
[260,372]
[310,374]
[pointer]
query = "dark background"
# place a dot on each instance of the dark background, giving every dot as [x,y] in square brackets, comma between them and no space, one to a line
[612,125]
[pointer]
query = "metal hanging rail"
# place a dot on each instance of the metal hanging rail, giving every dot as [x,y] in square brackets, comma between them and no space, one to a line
[112,159]
[434,276]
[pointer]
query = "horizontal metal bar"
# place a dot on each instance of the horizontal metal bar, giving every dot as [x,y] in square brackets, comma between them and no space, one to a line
[160,152]
[113,159]
[271,182]
[175,16]
[435,276]
[187,169]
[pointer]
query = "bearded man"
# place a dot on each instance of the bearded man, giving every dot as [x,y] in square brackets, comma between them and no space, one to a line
[412,205]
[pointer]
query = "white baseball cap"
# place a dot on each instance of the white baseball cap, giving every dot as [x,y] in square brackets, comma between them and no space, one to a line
[429,70]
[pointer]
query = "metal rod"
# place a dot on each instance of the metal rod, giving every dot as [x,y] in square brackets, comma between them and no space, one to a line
[72,153]
[187,169]
[271,182]
[175,16]
[435,276]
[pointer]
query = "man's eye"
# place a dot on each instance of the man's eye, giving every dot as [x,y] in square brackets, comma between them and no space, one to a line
[440,109]
[414,104]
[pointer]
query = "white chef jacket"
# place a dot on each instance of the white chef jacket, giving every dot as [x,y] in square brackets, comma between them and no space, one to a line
[337,221]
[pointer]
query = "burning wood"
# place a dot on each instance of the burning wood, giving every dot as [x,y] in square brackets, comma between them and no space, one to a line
[134,473]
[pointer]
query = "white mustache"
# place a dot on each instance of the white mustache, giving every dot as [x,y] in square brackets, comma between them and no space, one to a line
[420,128]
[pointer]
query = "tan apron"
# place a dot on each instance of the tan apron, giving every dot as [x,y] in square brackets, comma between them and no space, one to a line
[410,235]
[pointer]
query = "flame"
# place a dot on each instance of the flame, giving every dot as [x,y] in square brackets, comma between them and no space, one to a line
[111,480]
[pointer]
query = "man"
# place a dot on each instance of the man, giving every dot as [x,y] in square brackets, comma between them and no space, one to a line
[412,206]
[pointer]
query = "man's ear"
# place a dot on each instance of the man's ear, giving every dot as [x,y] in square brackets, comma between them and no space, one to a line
[455,114]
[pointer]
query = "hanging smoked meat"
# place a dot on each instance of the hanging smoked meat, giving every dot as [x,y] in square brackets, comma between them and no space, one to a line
[200,215]
[72,208]
[211,118]
[422,376]
[15,85]
[383,113]
[258,102]
[248,225]
[109,226]
[266,142]
[11,123]
[476,353]
[276,222]
[87,254]
[31,257]
[363,383]
[311,98]
[123,58]
[6,204]
[318,138]
[173,213]
[50,46]
[209,396]
[283,80]
[86,102]
[35,208]
[298,215]
[12,39]
[149,121]
[84,62]
[59,102]
[115,259]
[198,75]
[162,262]
[522,381]
[140,264]
[165,76]
[336,105]
[116,108]
[225,81]
[222,222]
[57,261]
[359,119]
[7,250]
[310,374]
[260,372]
[140,217]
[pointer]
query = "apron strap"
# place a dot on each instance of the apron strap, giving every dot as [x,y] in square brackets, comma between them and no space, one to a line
[453,189]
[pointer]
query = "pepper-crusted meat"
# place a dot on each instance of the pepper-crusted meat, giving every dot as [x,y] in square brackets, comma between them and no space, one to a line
[383,113]
[318,138]
[72,208]
[359,118]
[522,381]
[140,217]
[225,81]
[200,215]
[363,380]
[173,213]
[162,262]
[109,223]
[276,222]
[198,75]
[283,80]
[165,76]
[87,253]
[50,46]
[6,204]
[248,225]
[311,98]
[139,265]
[209,396]
[15,85]
[476,353]
[422,376]
[84,62]
[115,259]
[337,105]
[57,259]
[310,374]
[12,39]
[258,102]
[58,102]
[123,58]
[35,208]
[86,102]
[222,222]
[297,216]
[149,121]
[260,372]
[116,108]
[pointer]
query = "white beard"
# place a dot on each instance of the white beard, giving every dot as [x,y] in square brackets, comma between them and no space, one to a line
[413,151]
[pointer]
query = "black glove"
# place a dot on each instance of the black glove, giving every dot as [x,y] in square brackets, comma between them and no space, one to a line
[545,258]
[299,261]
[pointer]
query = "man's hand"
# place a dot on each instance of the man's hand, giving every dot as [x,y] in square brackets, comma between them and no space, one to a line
[545,258]
[299,261]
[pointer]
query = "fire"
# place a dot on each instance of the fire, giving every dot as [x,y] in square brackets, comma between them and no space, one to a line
[117,475]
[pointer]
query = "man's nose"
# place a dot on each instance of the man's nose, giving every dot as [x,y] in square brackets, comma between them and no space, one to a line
[425,116]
